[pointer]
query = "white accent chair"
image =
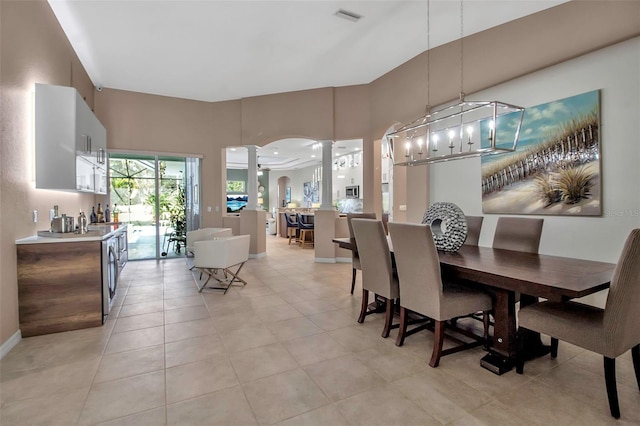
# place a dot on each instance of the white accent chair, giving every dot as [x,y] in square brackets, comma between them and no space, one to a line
[222,254]
[205,234]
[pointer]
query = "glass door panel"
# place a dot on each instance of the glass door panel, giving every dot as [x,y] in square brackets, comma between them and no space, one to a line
[172,226]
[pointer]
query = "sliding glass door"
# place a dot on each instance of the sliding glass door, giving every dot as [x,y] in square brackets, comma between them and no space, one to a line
[154,195]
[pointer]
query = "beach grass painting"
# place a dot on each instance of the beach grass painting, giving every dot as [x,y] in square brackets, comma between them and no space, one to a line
[556,167]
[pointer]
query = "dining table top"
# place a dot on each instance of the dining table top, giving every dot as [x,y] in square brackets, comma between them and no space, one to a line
[551,277]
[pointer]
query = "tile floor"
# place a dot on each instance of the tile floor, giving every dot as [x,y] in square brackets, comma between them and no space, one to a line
[286,350]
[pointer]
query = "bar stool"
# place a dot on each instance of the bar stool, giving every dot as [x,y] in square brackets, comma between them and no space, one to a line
[292,227]
[306,229]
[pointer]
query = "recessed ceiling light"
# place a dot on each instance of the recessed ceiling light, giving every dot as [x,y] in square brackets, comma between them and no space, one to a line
[275,152]
[233,149]
[348,15]
[313,156]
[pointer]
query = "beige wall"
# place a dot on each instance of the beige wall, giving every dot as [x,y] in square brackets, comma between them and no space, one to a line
[34,49]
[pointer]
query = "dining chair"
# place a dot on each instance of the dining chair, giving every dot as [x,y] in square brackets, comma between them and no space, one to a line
[305,230]
[518,234]
[474,225]
[423,292]
[222,254]
[609,332]
[378,274]
[292,227]
[355,257]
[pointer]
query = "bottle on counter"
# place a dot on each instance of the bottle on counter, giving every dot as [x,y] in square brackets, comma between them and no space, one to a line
[100,214]
[82,223]
[107,214]
[93,218]
[115,213]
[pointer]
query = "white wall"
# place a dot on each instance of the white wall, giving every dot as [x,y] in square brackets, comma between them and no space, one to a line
[615,71]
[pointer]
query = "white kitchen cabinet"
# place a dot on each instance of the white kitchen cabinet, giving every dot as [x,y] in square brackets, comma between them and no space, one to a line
[71,143]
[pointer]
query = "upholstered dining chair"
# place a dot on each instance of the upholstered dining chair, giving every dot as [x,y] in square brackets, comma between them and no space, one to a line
[355,257]
[518,234]
[378,275]
[474,225]
[292,227]
[306,231]
[422,290]
[609,332]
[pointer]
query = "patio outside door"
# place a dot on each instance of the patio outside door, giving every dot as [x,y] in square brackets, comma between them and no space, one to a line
[152,197]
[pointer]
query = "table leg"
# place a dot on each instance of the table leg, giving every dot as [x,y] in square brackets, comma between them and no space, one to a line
[532,346]
[504,349]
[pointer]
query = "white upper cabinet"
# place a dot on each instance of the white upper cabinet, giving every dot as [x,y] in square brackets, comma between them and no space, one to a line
[71,144]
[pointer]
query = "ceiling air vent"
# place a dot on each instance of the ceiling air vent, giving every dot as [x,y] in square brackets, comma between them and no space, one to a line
[351,16]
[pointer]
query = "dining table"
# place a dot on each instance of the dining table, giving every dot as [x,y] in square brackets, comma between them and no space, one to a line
[509,274]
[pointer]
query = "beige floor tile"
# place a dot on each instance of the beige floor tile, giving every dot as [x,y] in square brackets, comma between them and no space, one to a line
[180,292]
[135,339]
[246,338]
[359,337]
[283,395]
[442,396]
[276,313]
[332,320]
[293,328]
[130,363]
[327,415]
[198,378]
[251,291]
[110,400]
[224,407]
[186,314]
[315,348]
[144,289]
[261,362]
[310,307]
[141,308]
[384,406]
[495,413]
[131,299]
[45,381]
[58,408]
[152,417]
[192,350]
[183,302]
[342,377]
[137,322]
[393,363]
[188,329]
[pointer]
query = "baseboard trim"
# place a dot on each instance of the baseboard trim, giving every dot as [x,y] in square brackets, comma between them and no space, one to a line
[258,255]
[6,347]
[343,259]
[325,260]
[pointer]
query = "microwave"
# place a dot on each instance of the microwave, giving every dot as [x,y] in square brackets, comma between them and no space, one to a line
[352,191]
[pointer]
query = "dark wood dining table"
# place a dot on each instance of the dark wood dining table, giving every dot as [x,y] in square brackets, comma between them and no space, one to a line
[509,273]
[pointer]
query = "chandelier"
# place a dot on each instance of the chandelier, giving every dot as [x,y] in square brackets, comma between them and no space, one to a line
[465,129]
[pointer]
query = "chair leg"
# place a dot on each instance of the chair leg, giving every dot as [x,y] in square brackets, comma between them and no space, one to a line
[353,280]
[363,308]
[635,354]
[612,389]
[554,348]
[437,344]
[485,323]
[402,330]
[388,319]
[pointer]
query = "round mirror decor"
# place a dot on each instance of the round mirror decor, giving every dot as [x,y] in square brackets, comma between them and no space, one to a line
[448,225]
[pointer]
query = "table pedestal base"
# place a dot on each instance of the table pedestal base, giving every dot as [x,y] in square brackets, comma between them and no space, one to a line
[496,363]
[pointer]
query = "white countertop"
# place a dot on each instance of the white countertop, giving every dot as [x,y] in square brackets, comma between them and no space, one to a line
[96,232]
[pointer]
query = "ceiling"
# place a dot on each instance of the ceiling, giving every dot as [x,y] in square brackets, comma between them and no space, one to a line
[216,50]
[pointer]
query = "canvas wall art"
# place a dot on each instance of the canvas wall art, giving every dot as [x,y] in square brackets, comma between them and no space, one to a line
[556,167]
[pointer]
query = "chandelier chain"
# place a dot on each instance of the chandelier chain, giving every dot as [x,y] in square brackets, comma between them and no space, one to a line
[461,52]
[428,56]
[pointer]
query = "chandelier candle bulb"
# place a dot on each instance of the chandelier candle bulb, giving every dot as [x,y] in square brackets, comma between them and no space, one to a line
[435,143]
[408,147]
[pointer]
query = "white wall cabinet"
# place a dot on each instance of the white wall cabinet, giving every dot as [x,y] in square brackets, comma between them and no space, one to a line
[71,143]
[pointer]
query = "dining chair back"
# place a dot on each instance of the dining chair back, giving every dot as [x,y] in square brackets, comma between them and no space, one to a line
[355,257]
[422,290]
[378,274]
[474,225]
[610,331]
[518,234]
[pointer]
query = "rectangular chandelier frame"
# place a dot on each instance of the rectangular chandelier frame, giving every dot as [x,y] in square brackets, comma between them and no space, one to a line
[466,129]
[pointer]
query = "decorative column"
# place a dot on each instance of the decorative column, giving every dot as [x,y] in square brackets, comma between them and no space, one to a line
[327,178]
[252,177]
